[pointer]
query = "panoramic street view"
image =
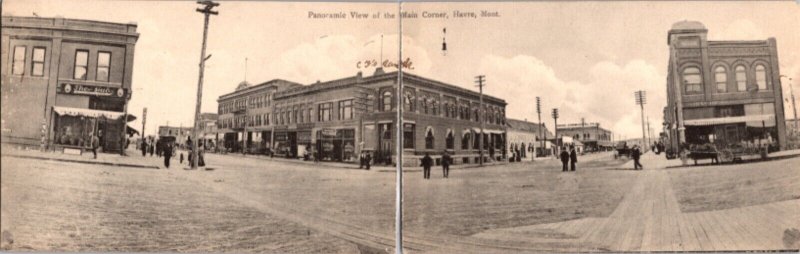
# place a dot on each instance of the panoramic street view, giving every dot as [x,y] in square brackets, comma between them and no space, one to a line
[468,127]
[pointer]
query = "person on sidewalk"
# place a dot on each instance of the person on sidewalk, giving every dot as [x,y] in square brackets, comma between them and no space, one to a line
[167,155]
[636,154]
[426,166]
[446,164]
[144,147]
[361,160]
[368,160]
[95,145]
[181,158]
[573,158]
[564,159]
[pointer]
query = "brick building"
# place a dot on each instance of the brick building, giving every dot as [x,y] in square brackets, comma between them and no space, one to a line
[64,80]
[725,93]
[340,118]
[591,135]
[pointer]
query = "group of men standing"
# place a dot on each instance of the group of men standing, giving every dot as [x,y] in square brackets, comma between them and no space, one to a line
[570,157]
[427,163]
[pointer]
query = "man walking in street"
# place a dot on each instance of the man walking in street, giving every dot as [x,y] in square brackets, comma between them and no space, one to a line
[636,154]
[144,147]
[445,164]
[564,159]
[573,158]
[167,155]
[426,166]
[95,145]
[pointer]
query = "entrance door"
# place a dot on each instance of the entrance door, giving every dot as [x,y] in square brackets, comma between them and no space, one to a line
[384,154]
[292,136]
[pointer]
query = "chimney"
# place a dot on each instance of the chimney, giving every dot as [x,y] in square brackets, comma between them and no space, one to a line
[378,71]
[358,77]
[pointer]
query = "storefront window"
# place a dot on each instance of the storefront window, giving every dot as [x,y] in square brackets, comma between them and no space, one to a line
[74,130]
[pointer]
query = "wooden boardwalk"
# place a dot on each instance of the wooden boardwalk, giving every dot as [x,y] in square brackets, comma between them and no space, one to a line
[649,219]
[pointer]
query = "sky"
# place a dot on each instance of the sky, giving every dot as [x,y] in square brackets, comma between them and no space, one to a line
[584,58]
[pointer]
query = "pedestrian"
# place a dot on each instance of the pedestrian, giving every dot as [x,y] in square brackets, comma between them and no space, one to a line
[564,159]
[445,164]
[144,148]
[95,145]
[152,148]
[368,159]
[361,160]
[167,155]
[159,147]
[573,158]
[181,157]
[426,166]
[636,154]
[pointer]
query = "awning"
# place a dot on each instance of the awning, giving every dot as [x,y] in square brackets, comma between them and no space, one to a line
[487,131]
[131,131]
[87,112]
[727,120]
[131,118]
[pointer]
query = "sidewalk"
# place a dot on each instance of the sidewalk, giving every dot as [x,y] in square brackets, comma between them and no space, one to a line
[132,160]
[652,161]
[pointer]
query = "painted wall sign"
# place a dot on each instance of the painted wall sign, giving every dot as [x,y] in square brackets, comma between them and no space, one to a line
[80,89]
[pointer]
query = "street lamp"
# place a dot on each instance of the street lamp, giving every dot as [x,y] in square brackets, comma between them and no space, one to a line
[794,108]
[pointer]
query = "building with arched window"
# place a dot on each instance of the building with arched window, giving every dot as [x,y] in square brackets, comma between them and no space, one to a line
[338,119]
[722,93]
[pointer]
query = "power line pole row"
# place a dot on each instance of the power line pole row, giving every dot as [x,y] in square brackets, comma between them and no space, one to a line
[207,10]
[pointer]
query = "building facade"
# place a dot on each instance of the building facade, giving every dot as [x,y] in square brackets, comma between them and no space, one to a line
[591,135]
[725,93]
[64,80]
[528,139]
[338,119]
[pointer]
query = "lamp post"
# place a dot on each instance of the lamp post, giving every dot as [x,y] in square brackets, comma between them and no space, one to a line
[794,108]
[207,11]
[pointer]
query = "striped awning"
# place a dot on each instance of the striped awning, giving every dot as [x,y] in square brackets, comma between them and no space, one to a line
[87,112]
[729,120]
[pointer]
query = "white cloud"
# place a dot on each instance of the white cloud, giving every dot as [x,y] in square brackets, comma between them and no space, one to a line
[608,98]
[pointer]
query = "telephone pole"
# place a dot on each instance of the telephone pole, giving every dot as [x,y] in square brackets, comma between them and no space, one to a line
[794,108]
[539,113]
[481,79]
[555,119]
[206,10]
[641,99]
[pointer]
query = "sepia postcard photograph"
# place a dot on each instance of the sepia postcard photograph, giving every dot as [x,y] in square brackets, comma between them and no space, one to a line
[216,126]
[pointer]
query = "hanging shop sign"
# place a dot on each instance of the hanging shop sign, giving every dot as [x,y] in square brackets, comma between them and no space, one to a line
[81,89]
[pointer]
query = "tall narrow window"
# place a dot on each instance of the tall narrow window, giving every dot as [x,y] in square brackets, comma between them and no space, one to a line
[761,77]
[103,66]
[386,101]
[18,67]
[37,68]
[408,135]
[721,79]
[81,64]
[429,139]
[450,140]
[465,140]
[741,78]
[346,110]
[692,80]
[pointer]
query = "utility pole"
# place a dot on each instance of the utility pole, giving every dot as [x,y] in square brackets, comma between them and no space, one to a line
[539,113]
[206,11]
[555,119]
[144,120]
[481,79]
[398,199]
[794,108]
[641,99]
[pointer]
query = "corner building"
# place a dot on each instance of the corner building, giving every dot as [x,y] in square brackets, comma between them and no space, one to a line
[64,80]
[340,118]
[725,93]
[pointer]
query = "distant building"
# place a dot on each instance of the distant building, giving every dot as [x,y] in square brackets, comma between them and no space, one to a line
[64,80]
[338,119]
[181,134]
[207,134]
[528,138]
[591,135]
[726,93]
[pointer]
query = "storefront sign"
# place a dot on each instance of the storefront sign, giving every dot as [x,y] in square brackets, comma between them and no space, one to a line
[92,90]
[329,132]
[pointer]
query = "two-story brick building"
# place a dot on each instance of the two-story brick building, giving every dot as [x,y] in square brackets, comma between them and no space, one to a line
[725,93]
[591,135]
[64,80]
[340,118]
